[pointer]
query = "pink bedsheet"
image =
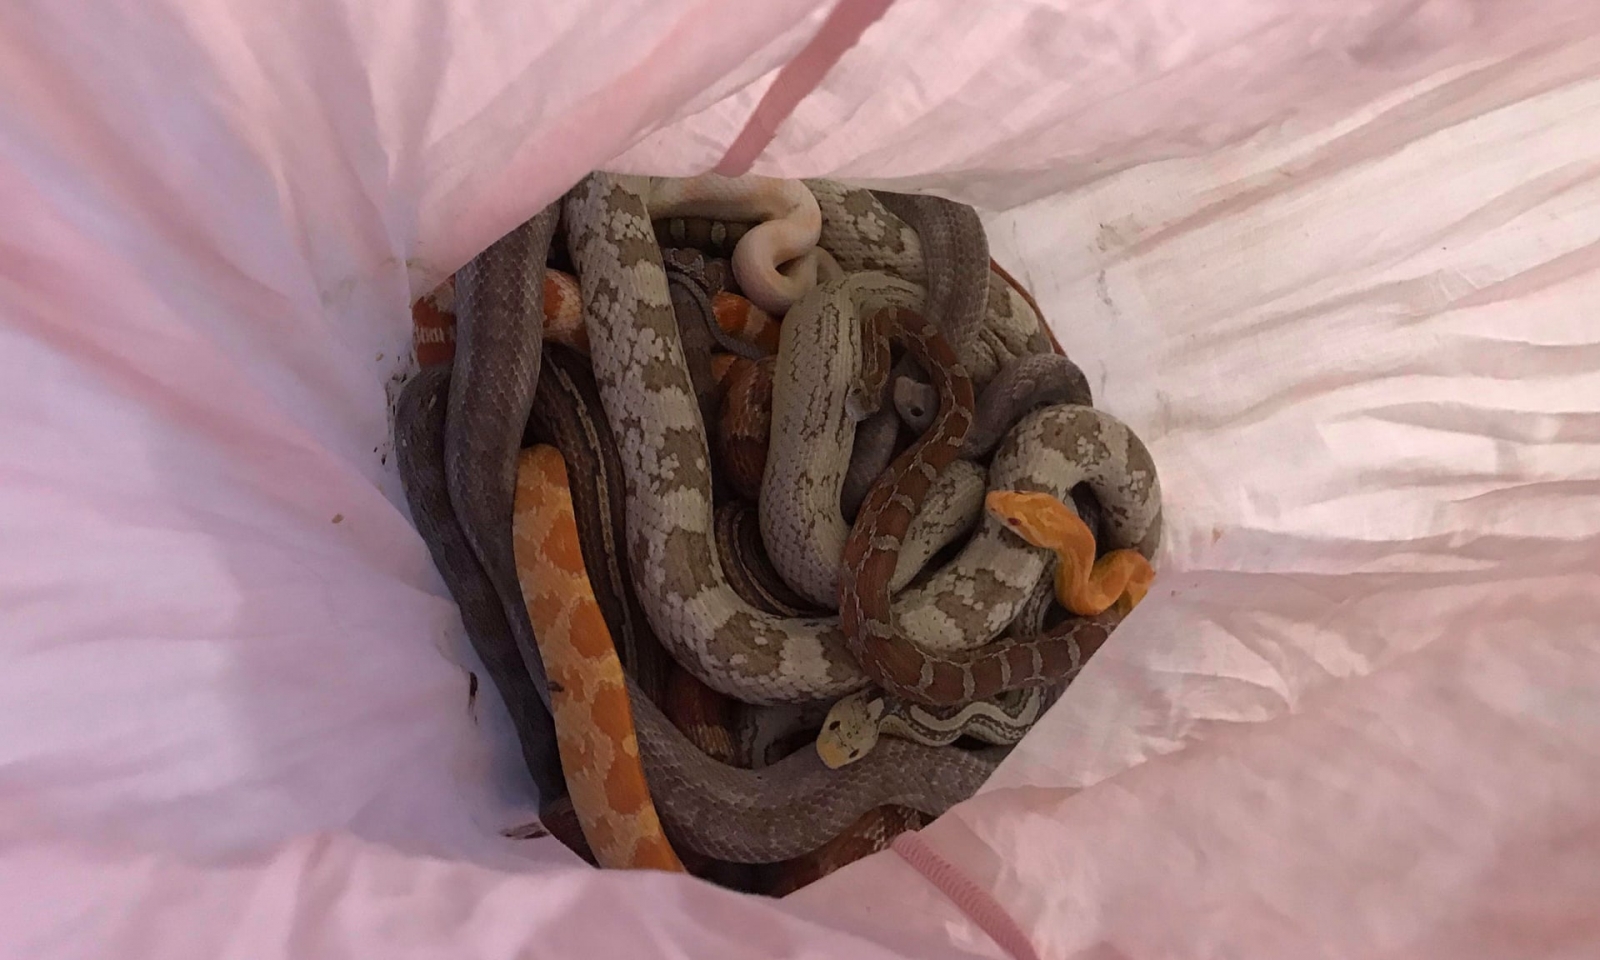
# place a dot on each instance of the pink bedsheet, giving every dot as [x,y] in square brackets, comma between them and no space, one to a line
[1347,299]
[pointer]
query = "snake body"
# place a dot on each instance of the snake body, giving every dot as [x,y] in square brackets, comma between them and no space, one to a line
[873,451]
[854,724]
[717,237]
[692,269]
[649,401]
[708,807]
[807,518]
[743,319]
[419,431]
[750,572]
[565,386]
[744,424]
[649,404]
[691,305]
[873,832]
[864,717]
[863,234]
[956,267]
[495,375]
[1083,584]
[499,308]
[594,724]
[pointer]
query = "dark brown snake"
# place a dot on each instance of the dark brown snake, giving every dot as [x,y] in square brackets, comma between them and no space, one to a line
[495,374]
[419,430]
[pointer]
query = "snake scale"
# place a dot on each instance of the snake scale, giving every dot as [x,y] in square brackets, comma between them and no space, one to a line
[1093,448]
[1082,584]
[863,234]
[820,390]
[419,454]
[855,723]
[496,370]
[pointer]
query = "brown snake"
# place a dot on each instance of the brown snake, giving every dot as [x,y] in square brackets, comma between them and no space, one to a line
[419,430]
[750,573]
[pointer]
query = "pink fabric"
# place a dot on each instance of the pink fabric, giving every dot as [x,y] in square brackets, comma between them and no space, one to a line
[1350,309]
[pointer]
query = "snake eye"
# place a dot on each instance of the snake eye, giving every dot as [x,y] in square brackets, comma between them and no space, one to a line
[1014,521]
[833,724]
[916,411]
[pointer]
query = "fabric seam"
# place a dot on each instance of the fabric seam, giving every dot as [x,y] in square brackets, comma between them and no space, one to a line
[971,899]
[795,81]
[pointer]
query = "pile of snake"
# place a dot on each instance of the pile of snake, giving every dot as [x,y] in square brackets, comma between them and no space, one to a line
[786,485]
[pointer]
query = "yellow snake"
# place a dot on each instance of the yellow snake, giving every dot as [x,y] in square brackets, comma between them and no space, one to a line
[589,698]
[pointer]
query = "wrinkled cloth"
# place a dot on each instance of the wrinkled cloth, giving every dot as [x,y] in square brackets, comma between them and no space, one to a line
[1333,262]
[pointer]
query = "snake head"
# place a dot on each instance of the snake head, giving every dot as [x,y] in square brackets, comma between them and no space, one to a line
[861,402]
[850,730]
[917,403]
[1041,520]
[1084,585]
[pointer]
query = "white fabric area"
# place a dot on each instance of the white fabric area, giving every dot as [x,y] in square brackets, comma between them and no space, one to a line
[1335,262]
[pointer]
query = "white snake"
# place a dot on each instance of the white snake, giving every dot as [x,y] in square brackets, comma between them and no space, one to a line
[777,260]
